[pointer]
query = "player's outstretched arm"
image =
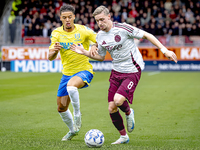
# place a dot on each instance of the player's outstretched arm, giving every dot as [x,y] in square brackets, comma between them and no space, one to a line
[94,49]
[169,54]
[54,52]
[80,50]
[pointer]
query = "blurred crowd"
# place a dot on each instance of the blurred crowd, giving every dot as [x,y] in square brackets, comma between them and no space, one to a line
[164,17]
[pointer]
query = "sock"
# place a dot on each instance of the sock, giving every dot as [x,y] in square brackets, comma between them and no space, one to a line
[125,108]
[122,132]
[67,119]
[118,122]
[74,96]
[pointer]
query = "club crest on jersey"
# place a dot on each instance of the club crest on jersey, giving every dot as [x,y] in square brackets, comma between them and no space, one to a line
[117,38]
[77,37]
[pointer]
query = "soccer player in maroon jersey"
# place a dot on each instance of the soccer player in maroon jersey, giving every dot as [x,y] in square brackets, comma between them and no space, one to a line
[118,40]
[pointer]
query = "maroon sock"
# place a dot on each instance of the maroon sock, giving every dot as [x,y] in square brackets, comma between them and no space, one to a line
[125,108]
[122,132]
[117,121]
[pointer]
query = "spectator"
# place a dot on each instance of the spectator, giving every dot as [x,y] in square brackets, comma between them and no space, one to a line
[27,21]
[159,30]
[92,23]
[133,12]
[159,12]
[50,30]
[130,19]
[172,14]
[117,17]
[34,10]
[44,31]
[38,31]
[33,24]
[188,28]
[30,30]
[183,28]
[124,14]
[115,7]
[189,15]
[43,11]
[77,18]
[175,28]
[147,28]
[168,5]
[153,29]
[96,28]
[48,24]
[194,30]
[178,3]
[168,37]
[145,18]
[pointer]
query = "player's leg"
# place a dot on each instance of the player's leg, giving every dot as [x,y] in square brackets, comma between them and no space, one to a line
[125,92]
[63,104]
[118,123]
[79,80]
[63,101]
[113,109]
[72,88]
[121,102]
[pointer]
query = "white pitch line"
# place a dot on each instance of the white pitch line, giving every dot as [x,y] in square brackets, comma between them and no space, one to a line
[153,73]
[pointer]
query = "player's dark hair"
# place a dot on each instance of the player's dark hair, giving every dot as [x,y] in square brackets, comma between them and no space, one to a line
[66,8]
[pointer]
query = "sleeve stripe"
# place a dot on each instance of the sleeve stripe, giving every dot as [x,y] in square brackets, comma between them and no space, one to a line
[128,28]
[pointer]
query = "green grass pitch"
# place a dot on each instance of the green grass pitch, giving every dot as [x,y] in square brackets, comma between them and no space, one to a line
[166,104]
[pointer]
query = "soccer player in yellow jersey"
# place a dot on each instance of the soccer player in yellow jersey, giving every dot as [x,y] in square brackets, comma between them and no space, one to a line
[77,71]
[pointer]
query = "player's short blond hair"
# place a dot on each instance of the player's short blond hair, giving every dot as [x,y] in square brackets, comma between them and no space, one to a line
[99,10]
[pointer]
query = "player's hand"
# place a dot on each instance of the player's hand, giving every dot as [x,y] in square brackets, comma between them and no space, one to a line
[57,46]
[171,56]
[93,50]
[77,48]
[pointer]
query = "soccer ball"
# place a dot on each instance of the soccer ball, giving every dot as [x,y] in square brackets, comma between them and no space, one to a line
[94,138]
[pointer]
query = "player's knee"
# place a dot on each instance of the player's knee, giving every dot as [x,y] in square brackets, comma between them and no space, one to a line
[112,109]
[118,100]
[62,108]
[71,89]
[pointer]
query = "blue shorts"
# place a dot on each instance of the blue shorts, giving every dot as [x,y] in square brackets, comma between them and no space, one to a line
[86,76]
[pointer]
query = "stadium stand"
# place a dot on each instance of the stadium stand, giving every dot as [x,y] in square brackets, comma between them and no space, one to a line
[162,18]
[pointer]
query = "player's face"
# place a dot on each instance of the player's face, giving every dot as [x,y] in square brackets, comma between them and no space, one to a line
[103,21]
[67,19]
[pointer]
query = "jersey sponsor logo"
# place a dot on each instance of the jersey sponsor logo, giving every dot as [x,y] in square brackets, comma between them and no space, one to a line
[66,46]
[117,38]
[109,48]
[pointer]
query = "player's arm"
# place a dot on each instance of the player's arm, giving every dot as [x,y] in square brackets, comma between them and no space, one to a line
[94,49]
[54,52]
[169,54]
[80,50]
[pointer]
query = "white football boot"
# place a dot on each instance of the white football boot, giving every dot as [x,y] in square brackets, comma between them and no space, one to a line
[122,140]
[77,123]
[69,136]
[130,121]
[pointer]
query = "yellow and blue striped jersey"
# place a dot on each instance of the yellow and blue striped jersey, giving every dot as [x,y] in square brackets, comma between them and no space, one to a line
[71,61]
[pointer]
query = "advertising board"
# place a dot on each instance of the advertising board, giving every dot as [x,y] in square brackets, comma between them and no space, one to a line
[34,59]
